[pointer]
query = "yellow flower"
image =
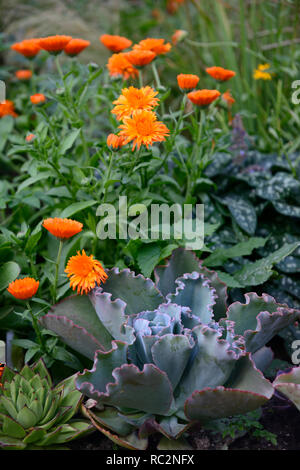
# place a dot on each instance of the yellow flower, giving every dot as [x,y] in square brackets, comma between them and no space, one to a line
[261,74]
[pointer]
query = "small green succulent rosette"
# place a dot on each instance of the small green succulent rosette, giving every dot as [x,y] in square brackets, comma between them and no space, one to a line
[36,415]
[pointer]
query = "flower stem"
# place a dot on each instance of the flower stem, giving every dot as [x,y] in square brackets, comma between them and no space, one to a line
[140,79]
[35,326]
[56,270]
[158,84]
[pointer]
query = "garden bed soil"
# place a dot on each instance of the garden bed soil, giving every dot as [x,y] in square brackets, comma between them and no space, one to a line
[279,417]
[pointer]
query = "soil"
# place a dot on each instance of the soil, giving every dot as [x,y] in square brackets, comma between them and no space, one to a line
[279,417]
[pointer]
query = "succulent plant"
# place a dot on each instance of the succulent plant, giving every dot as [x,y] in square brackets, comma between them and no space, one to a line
[170,353]
[288,383]
[34,414]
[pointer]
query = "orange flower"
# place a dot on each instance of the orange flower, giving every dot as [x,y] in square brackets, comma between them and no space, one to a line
[220,74]
[115,43]
[7,108]
[139,58]
[178,36]
[84,272]
[2,366]
[133,99]
[23,288]
[38,98]
[157,46]
[75,46]
[187,81]
[28,48]
[30,137]
[23,74]
[118,66]
[62,228]
[115,141]
[228,98]
[143,129]
[54,44]
[203,97]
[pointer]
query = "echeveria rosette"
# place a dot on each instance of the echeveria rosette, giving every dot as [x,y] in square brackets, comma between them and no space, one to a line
[34,414]
[170,353]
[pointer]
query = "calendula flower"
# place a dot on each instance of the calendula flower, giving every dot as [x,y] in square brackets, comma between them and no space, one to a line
[143,129]
[179,36]
[133,99]
[187,81]
[28,47]
[261,74]
[140,58]
[115,141]
[119,66]
[7,109]
[203,97]
[30,137]
[158,46]
[38,98]
[54,44]
[228,98]
[23,288]
[23,74]
[62,228]
[84,272]
[2,367]
[75,46]
[115,43]
[220,74]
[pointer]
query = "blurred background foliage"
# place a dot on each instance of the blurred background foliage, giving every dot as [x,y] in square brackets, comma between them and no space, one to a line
[235,34]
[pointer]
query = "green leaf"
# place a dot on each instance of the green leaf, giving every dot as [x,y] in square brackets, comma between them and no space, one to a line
[260,271]
[34,179]
[77,207]
[242,212]
[220,255]
[8,273]
[68,141]
[148,257]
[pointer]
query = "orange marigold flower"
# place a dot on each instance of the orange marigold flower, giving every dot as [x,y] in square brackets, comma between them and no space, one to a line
[220,74]
[158,46]
[84,272]
[2,367]
[228,98]
[75,46]
[38,98]
[23,74]
[178,36]
[115,141]
[54,44]
[23,288]
[7,108]
[133,99]
[30,137]
[115,43]
[118,65]
[203,97]
[28,48]
[143,129]
[187,81]
[62,228]
[139,58]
